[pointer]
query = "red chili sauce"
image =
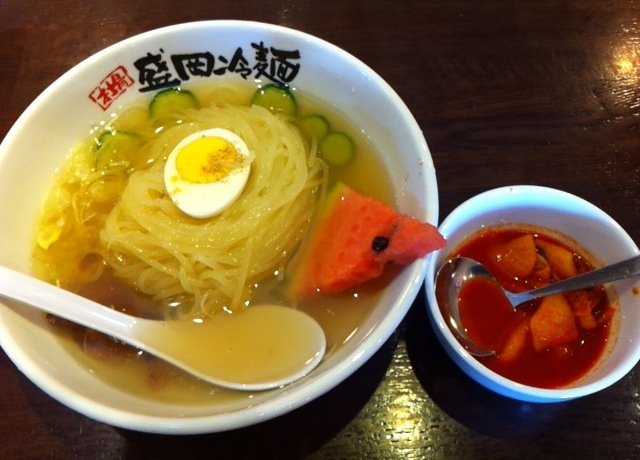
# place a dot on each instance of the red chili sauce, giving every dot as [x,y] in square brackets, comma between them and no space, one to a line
[547,346]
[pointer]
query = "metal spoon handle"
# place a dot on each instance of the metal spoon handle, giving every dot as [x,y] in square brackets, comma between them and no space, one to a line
[618,271]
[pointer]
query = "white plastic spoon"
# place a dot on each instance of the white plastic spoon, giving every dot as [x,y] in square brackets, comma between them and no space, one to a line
[263,347]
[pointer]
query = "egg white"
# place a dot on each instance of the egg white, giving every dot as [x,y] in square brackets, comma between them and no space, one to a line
[206,200]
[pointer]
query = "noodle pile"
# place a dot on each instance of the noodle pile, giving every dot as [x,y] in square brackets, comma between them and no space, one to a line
[201,267]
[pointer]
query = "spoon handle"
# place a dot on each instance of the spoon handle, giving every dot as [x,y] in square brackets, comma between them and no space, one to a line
[64,304]
[264,348]
[618,271]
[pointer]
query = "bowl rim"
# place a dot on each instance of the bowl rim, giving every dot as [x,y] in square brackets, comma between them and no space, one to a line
[508,196]
[289,400]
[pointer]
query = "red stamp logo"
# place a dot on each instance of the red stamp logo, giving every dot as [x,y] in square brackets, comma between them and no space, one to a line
[111,87]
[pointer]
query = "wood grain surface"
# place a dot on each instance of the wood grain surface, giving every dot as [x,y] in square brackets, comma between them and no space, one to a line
[543,92]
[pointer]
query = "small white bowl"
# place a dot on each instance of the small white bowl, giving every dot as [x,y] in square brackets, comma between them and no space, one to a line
[62,115]
[593,230]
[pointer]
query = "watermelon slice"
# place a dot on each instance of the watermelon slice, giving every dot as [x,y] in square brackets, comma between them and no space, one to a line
[354,238]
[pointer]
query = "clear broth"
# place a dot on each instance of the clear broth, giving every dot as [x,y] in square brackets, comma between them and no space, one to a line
[137,373]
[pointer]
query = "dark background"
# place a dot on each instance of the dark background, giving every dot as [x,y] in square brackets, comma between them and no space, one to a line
[506,92]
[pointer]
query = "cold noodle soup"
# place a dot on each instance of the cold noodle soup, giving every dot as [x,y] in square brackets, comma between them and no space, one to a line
[109,230]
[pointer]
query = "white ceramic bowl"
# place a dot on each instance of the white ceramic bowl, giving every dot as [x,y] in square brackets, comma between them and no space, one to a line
[588,226]
[38,142]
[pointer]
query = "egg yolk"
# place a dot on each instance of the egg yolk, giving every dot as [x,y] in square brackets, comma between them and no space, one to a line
[207,160]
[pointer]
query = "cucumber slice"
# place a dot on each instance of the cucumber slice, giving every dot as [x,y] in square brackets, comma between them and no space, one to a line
[172,100]
[314,126]
[108,137]
[116,150]
[337,149]
[275,98]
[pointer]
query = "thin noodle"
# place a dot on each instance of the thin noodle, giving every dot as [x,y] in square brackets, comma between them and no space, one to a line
[120,217]
[165,254]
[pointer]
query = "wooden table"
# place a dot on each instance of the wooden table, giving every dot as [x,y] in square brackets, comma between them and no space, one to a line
[543,92]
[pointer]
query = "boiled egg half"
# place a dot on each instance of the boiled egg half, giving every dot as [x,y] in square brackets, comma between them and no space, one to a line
[207,171]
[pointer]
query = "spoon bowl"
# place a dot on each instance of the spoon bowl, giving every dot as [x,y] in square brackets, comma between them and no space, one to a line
[453,275]
[264,347]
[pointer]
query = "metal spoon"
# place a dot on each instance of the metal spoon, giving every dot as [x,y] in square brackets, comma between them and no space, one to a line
[261,348]
[453,274]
